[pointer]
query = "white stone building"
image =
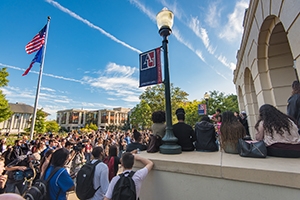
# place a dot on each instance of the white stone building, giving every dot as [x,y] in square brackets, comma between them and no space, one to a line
[268,60]
[73,119]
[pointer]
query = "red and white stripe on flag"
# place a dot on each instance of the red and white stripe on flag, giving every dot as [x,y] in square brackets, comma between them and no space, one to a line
[37,41]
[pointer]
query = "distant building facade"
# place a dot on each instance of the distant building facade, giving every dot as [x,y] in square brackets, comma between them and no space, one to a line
[73,119]
[19,120]
[268,60]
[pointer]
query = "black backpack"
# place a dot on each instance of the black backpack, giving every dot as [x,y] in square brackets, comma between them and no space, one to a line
[85,181]
[124,188]
[39,190]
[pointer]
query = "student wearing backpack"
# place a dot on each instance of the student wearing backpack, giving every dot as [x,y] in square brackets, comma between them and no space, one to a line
[99,178]
[115,192]
[61,181]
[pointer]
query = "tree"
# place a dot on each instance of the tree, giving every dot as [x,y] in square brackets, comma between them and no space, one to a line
[155,97]
[40,122]
[52,126]
[5,112]
[191,112]
[141,116]
[93,127]
[220,100]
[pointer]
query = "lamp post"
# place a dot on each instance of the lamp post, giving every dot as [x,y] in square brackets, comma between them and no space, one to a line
[165,22]
[206,97]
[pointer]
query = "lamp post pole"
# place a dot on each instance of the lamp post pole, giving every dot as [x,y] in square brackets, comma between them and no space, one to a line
[170,145]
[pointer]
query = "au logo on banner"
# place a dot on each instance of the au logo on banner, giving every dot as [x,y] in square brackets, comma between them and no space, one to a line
[150,68]
[202,109]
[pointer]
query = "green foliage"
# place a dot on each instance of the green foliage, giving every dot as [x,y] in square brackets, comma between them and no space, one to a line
[153,99]
[5,112]
[40,122]
[221,101]
[191,112]
[3,77]
[141,115]
[52,126]
[93,127]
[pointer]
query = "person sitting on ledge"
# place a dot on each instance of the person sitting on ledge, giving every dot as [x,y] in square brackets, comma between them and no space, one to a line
[231,131]
[206,135]
[184,132]
[278,131]
[158,127]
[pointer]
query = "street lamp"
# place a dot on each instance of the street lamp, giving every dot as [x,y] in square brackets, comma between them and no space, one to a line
[206,97]
[165,22]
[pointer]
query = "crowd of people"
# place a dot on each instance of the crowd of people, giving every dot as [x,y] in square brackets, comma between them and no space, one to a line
[27,161]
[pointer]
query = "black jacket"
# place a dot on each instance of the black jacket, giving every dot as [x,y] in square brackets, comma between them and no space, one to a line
[186,136]
[293,108]
[135,145]
[206,136]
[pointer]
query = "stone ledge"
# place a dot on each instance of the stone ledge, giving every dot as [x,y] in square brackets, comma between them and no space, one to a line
[271,170]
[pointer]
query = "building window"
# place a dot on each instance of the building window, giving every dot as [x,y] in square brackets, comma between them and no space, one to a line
[64,118]
[92,118]
[82,115]
[104,117]
[123,118]
[112,117]
[74,118]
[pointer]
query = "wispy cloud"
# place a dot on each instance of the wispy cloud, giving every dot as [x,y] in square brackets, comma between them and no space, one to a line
[47,89]
[120,69]
[117,81]
[213,15]
[175,31]
[52,102]
[225,62]
[116,78]
[145,10]
[234,27]
[44,74]
[194,24]
[174,7]
[85,21]
[201,32]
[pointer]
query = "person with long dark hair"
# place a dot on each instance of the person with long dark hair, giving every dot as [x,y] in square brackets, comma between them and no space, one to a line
[112,161]
[231,131]
[278,131]
[61,181]
[293,107]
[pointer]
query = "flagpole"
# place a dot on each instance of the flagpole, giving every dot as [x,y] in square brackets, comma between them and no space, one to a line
[39,83]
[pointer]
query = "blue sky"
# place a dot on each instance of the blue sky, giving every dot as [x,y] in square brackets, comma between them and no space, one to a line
[92,55]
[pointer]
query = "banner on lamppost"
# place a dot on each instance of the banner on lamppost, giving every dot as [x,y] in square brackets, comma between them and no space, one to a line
[150,68]
[202,109]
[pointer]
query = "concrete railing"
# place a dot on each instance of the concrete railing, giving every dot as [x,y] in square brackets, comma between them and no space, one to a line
[218,175]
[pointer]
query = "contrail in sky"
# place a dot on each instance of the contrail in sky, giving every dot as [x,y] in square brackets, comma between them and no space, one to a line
[44,74]
[72,14]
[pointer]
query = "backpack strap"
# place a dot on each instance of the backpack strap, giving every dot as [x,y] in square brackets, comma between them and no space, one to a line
[130,174]
[52,173]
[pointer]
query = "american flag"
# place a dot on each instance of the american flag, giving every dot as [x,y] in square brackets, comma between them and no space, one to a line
[37,41]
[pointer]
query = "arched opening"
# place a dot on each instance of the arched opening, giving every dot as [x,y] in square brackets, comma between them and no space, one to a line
[251,104]
[275,63]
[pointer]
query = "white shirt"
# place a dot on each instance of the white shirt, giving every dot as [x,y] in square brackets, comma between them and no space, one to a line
[138,178]
[100,179]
